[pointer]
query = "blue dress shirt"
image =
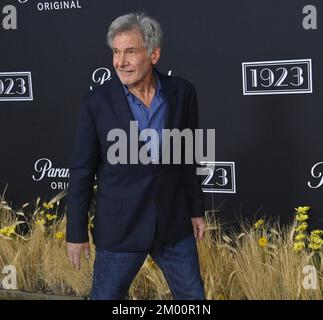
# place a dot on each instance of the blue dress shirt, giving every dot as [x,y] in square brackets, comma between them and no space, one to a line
[153,117]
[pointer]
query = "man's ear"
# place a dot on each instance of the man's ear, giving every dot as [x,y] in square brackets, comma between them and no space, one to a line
[155,55]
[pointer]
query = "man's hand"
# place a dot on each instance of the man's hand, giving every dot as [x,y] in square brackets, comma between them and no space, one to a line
[74,251]
[199,227]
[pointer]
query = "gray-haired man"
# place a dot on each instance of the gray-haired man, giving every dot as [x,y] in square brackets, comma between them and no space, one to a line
[141,209]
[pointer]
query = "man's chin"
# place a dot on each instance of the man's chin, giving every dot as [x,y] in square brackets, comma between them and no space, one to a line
[124,79]
[126,82]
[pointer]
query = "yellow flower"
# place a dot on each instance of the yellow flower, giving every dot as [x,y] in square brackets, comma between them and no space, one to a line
[51,216]
[317,233]
[11,230]
[298,246]
[40,222]
[3,231]
[302,227]
[59,235]
[301,217]
[48,206]
[300,237]
[302,209]
[262,242]
[259,223]
[316,239]
[315,246]
[8,231]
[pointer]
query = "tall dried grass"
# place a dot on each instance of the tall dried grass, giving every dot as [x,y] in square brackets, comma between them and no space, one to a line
[233,266]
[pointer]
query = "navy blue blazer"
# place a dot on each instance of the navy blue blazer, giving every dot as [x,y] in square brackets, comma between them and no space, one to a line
[136,204]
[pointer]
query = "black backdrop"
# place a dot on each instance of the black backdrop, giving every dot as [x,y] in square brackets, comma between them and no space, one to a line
[266,144]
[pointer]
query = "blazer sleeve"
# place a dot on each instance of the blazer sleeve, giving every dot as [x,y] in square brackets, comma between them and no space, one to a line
[83,167]
[192,181]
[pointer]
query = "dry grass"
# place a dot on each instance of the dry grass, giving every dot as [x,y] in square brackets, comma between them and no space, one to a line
[233,266]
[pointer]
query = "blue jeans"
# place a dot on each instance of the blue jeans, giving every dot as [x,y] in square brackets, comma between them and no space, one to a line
[115,271]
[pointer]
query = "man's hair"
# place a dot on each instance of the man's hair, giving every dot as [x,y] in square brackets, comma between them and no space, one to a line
[147,26]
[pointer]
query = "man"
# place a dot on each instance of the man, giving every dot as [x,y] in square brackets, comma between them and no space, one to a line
[141,209]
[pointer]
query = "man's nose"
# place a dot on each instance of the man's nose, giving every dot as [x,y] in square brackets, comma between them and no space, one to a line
[123,60]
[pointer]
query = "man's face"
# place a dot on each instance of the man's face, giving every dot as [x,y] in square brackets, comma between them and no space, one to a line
[130,58]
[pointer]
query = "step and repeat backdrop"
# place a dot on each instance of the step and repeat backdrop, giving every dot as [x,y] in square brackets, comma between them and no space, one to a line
[257,66]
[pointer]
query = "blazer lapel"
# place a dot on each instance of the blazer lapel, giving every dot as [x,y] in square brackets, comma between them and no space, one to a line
[170,99]
[120,103]
[122,109]
[170,94]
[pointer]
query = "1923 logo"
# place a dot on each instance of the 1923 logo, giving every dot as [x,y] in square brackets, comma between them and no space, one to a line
[277,77]
[220,176]
[15,86]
